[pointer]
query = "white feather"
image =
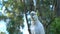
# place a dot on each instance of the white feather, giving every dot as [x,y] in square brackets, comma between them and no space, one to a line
[36,26]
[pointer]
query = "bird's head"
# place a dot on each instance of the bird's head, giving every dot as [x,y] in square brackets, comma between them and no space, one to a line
[34,15]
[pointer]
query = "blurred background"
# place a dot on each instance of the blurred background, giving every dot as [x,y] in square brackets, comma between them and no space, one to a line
[15,15]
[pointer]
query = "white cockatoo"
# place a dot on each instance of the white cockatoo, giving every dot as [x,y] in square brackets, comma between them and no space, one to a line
[36,26]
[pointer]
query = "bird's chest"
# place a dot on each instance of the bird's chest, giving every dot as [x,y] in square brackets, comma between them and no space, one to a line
[36,28]
[32,28]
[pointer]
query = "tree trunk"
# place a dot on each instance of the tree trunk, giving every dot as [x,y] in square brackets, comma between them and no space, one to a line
[25,11]
[58,8]
[31,5]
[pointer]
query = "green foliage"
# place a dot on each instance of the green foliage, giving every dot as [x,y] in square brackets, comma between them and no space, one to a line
[15,15]
[3,17]
[55,26]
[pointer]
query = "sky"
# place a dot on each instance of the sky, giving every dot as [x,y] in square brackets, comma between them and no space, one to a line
[3,27]
[2,23]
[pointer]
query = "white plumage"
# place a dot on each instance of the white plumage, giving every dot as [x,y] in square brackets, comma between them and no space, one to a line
[36,26]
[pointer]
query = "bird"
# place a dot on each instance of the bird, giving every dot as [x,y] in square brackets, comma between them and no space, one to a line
[36,26]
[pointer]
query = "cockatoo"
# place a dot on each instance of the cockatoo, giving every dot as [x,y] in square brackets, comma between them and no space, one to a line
[36,26]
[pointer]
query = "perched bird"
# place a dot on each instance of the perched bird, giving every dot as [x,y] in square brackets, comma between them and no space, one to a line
[36,26]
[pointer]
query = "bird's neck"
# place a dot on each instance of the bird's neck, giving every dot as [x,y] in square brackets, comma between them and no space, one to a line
[34,22]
